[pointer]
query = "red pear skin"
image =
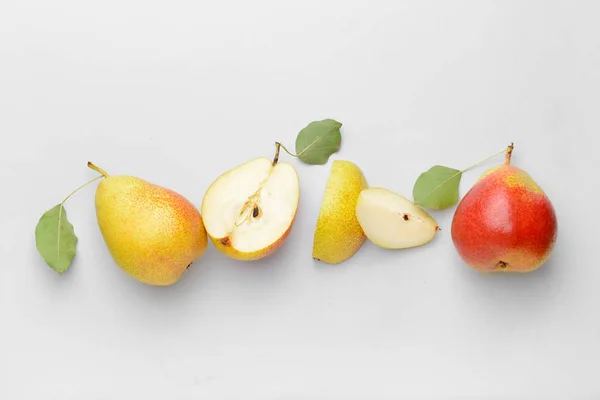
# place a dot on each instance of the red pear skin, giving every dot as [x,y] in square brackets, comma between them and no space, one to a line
[505,222]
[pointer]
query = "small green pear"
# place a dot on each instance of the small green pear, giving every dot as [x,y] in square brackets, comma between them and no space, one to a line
[152,233]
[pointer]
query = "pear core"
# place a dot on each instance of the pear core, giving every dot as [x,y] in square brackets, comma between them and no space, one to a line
[252,206]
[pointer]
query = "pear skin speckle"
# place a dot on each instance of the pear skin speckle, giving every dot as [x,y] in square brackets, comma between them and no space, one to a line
[151,232]
[338,234]
[505,223]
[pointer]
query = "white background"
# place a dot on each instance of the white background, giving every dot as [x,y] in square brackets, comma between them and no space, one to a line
[178,92]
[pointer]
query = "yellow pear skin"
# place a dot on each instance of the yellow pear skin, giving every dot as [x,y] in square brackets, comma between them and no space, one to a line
[152,233]
[338,234]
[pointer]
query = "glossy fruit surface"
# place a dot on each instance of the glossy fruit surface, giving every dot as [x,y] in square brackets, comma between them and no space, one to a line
[505,222]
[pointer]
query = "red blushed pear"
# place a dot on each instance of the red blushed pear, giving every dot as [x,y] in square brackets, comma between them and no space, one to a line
[505,222]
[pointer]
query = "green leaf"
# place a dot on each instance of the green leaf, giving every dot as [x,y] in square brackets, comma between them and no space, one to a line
[437,187]
[55,239]
[318,141]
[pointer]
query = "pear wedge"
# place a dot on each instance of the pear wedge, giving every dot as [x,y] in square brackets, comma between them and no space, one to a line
[338,235]
[393,222]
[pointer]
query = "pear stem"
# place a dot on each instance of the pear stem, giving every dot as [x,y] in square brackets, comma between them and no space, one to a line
[509,151]
[97,169]
[279,146]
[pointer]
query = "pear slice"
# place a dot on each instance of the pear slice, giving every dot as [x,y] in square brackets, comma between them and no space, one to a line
[249,210]
[392,221]
[338,235]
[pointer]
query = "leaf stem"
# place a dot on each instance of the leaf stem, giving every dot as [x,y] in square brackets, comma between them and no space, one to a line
[60,210]
[81,187]
[508,154]
[508,151]
[280,146]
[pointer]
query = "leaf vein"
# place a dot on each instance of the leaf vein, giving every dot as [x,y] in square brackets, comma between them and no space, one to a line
[310,145]
[440,185]
[58,235]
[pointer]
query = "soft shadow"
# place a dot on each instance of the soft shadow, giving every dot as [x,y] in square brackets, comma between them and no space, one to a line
[194,279]
[370,254]
[51,280]
[357,258]
[505,293]
[271,268]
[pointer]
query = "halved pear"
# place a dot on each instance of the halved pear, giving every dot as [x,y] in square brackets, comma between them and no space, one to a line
[392,221]
[249,210]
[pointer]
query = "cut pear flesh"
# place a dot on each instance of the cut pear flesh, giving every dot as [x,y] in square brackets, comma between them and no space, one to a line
[392,221]
[253,205]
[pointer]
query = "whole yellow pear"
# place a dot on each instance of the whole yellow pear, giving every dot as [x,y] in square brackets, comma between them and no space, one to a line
[338,234]
[152,233]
